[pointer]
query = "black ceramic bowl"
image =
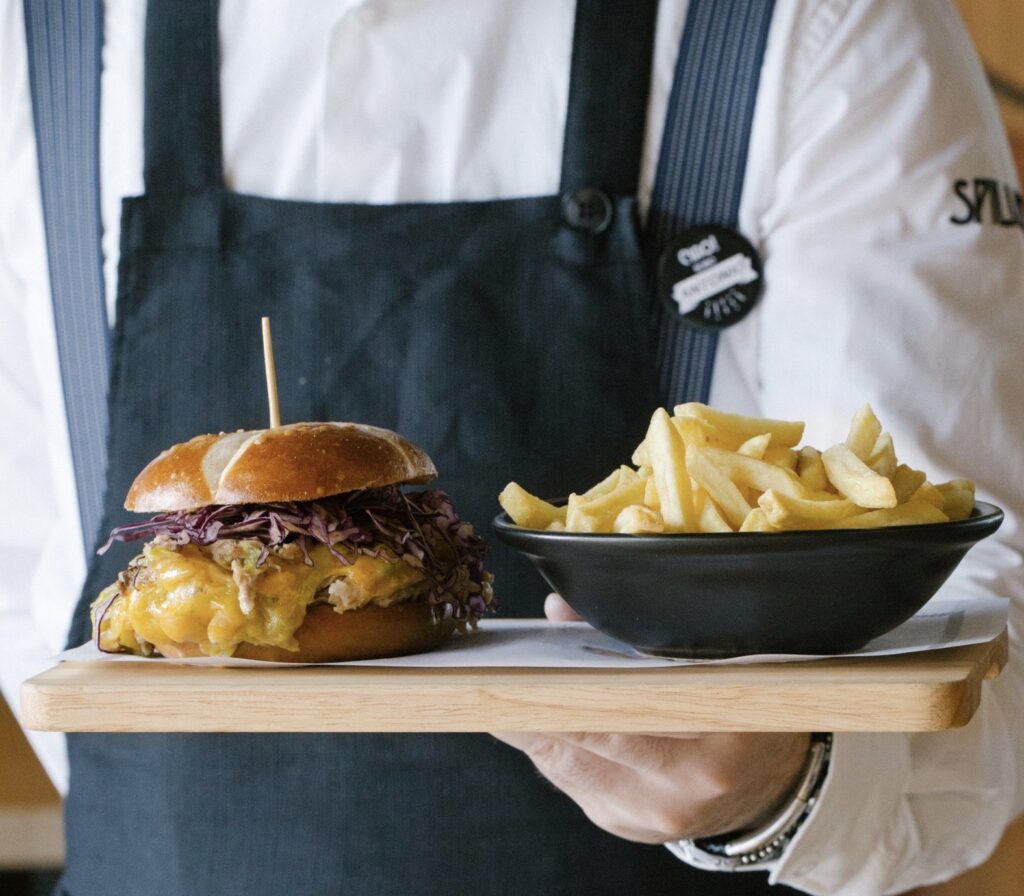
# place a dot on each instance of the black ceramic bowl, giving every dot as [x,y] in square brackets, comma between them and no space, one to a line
[716,595]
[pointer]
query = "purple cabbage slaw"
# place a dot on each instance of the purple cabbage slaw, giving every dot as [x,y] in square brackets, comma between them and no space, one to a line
[421,529]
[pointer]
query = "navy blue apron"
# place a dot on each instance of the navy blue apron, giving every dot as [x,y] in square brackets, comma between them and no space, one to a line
[510,338]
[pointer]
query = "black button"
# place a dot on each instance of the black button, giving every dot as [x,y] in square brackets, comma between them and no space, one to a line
[588,209]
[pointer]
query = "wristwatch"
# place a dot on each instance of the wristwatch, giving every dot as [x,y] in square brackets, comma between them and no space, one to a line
[754,850]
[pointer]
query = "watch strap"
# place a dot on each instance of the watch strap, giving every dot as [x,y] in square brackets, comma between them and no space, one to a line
[755,850]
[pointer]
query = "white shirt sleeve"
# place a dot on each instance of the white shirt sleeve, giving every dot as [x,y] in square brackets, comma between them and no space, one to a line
[38,535]
[887,136]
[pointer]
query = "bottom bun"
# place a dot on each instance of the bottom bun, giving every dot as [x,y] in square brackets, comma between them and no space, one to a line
[368,633]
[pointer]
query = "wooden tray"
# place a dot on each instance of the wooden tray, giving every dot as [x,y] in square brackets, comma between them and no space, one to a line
[926,691]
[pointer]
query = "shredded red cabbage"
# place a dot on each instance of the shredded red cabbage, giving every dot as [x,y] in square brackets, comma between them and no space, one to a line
[419,528]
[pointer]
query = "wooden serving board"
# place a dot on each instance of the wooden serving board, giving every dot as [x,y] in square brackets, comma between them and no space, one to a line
[925,691]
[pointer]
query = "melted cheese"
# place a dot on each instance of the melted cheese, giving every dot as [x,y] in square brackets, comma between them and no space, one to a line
[182,595]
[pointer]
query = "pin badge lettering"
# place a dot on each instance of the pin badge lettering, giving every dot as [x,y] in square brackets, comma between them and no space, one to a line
[711,277]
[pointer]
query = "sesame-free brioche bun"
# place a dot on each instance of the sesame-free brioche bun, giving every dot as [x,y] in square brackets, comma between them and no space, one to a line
[297,462]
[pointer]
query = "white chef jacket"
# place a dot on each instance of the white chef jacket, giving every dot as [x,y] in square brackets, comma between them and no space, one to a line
[869,113]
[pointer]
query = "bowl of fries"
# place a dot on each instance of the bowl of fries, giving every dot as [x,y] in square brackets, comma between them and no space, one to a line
[724,538]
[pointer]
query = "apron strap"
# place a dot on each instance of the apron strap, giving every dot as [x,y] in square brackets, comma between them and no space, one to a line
[181,120]
[64,43]
[703,160]
[611,59]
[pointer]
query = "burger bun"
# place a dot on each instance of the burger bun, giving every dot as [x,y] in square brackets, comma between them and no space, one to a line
[297,462]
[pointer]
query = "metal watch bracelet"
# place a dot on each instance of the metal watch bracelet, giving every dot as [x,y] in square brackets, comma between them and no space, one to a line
[753,850]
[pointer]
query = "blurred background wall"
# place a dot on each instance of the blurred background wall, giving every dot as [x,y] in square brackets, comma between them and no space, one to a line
[31,838]
[30,822]
[997,27]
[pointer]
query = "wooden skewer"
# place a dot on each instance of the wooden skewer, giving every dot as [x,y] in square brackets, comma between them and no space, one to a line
[268,361]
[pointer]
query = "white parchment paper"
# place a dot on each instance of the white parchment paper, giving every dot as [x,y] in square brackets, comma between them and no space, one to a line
[541,644]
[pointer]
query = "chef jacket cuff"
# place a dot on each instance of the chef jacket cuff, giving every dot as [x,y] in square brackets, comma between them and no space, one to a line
[844,842]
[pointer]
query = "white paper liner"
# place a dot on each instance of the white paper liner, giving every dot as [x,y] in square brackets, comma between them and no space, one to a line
[537,643]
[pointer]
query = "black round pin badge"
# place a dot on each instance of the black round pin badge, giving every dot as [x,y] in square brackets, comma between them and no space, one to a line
[711,277]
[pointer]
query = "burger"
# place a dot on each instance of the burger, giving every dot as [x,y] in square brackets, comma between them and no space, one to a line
[294,544]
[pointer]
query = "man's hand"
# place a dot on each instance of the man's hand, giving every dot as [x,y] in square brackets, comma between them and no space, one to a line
[657,788]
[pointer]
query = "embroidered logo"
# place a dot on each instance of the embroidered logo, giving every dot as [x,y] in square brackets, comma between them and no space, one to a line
[990,201]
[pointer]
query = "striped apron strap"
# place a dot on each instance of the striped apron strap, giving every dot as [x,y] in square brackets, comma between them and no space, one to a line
[703,157]
[65,43]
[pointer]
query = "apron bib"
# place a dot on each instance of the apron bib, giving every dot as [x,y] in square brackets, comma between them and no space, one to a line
[511,339]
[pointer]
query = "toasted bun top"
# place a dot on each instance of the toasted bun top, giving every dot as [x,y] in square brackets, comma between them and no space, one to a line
[298,462]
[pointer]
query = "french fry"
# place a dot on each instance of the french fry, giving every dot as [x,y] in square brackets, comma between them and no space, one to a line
[811,470]
[528,510]
[577,519]
[709,517]
[719,487]
[929,494]
[864,432]
[857,481]
[913,513]
[958,504]
[738,428]
[695,432]
[756,474]
[882,458]
[906,481]
[704,470]
[955,485]
[672,479]
[638,520]
[692,431]
[958,498]
[781,456]
[630,490]
[786,512]
[651,498]
[605,485]
[756,521]
[755,446]
[597,514]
